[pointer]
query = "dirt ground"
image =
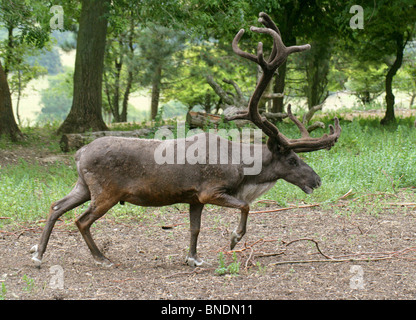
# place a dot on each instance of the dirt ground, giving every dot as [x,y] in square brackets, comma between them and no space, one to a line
[149,255]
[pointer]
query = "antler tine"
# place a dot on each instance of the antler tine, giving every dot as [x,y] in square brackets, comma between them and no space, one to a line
[308,144]
[303,131]
[278,55]
[268,22]
[237,49]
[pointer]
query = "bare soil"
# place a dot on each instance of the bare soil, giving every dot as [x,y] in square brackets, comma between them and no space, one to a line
[149,256]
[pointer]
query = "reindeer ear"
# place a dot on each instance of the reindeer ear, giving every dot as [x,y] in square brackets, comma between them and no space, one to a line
[274,146]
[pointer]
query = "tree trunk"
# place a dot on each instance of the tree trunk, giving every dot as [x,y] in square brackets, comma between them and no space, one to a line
[19,95]
[123,117]
[129,77]
[8,125]
[290,19]
[412,99]
[118,64]
[317,68]
[9,51]
[279,87]
[389,116]
[86,110]
[157,77]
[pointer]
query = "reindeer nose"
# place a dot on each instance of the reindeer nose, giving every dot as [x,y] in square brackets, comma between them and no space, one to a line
[318,182]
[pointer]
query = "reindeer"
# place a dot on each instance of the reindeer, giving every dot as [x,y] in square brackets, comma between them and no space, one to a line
[114,169]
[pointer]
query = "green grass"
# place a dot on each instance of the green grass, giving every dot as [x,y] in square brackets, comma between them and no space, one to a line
[27,190]
[233,268]
[368,159]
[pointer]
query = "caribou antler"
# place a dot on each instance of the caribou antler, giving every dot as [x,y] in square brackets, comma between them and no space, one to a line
[277,57]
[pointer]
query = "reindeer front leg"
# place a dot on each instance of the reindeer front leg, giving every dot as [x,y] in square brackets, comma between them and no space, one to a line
[240,231]
[225,200]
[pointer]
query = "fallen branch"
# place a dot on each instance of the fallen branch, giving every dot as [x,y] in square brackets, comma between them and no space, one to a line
[249,258]
[288,208]
[402,204]
[350,258]
[312,240]
[262,241]
[197,270]
[171,226]
[330,260]
[9,233]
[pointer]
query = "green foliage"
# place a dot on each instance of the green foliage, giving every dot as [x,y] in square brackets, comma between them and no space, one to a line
[3,291]
[57,98]
[25,22]
[233,268]
[405,79]
[29,283]
[48,59]
[174,109]
[366,81]
[203,58]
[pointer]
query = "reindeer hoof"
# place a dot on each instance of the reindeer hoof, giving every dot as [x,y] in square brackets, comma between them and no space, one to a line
[34,250]
[235,238]
[196,262]
[103,262]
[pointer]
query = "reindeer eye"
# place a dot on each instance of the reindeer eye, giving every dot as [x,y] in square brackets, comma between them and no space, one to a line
[293,162]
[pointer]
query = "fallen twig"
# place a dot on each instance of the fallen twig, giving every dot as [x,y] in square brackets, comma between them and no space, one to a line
[260,242]
[9,233]
[328,260]
[312,240]
[249,258]
[402,204]
[348,194]
[171,226]
[197,270]
[349,258]
[343,197]
[288,208]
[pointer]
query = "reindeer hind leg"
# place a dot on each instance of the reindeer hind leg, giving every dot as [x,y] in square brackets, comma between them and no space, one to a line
[95,211]
[192,259]
[76,197]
